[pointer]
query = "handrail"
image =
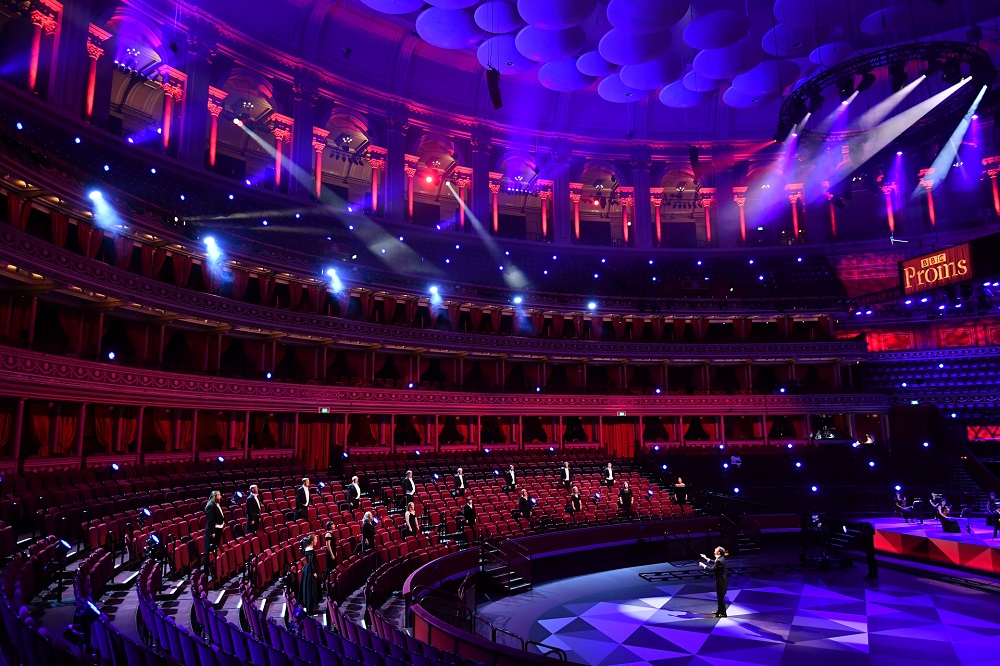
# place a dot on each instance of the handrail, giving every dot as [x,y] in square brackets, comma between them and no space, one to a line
[549,650]
[494,629]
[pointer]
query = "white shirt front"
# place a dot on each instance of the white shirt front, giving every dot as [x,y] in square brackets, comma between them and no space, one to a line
[357,489]
[307,494]
[223,523]
[461,482]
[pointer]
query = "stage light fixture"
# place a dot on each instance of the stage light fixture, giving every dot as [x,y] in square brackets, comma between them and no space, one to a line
[592,305]
[95,195]
[952,72]
[845,87]
[866,82]
[933,67]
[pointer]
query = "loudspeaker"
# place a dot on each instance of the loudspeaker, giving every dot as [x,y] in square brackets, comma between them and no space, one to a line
[493,85]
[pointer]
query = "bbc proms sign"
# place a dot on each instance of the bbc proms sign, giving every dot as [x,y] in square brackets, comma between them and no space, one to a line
[935,270]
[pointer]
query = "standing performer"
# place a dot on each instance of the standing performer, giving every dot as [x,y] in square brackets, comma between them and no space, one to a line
[625,498]
[609,476]
[565,476]
[459,483]
[253,510]
[409,488]
[354,493]
[309,594]
[993,508]
[510,479]
[718,567]
[302,500]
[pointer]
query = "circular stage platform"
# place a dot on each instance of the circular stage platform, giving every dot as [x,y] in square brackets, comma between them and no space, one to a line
[832,617]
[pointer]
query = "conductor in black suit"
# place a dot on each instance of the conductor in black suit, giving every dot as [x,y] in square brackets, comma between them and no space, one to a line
[525,505]
[409,488]
[253,509]
[215,521]
[718,567]
[565,476]
[510,479]
[608,477]
[625,498]
[459,483]
[354,493]
[302,500]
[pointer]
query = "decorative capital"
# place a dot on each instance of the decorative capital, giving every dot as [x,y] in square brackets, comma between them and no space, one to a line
[575,192]
[889,190]
[656,196]
[926,177]
[216,97]
[377,157]
[494,187]
[46,22]
[319,139]
[281,127]
[740,195]
[173,91]
[992,166]
[94,52]
[707,196]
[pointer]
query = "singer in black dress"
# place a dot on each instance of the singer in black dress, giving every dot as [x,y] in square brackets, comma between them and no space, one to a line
[309,595]
[718,567]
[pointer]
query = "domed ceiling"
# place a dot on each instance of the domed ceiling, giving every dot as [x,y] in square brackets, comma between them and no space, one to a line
[655,69]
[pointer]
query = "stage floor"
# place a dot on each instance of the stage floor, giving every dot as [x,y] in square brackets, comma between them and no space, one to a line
[977,550]
[822,618]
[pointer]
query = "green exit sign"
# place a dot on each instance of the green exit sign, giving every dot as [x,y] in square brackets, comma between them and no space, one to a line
[622,414]
[324,410]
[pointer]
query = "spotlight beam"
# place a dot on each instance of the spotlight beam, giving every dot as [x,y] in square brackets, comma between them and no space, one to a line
[880,111]
[942,163]
[512,275]
[872,142]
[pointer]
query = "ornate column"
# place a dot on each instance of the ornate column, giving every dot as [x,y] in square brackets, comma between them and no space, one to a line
[195,123]
[707,199]
[643,233]
[656,197]
[463,179]
[303,141]
[216,97]
[575,193]
[794,197]
[281,128]
[410,169]
[44,23]
[395,175]
[319,146]
[377,161]
[495,179]
[992,165]
[95,38]
[927,181]
[561,202]
[68,75]
[740,197]
[481,147]
[889,190]
[544,196]
[833,212]
[173,96]
[626,195]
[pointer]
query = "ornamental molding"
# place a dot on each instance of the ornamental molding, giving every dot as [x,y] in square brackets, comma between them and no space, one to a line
[33,375]
[61,265]
[933,354]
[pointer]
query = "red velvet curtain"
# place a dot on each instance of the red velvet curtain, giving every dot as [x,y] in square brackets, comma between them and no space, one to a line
[496,314]
[255,353]
[129,426]
[307,357]
[596,324]
[411,310]
[6,418]
[123,251]
[16,311]
[317,297]
[104,426]
[18,210]
[538,323]
[314,442]
[619,439]
[60,228]
[619,325]
[182,269]
[294,294]
[141,339]
[389,308]
[679,330]
[657,325]
[198,344]
[454,312]
[241,279]
[356,363]
[273,426]
[578,325]
[367,304]
[266,284]
[475,319]
[558,322]
[187,433]
[152,261]
[71,323]
[210,278]
[90,239]
[65,434]
[163,427]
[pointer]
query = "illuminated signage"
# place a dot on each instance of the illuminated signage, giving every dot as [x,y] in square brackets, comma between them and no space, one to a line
[939,269]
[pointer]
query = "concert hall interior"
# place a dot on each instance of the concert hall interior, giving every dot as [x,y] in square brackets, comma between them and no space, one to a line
[461,332]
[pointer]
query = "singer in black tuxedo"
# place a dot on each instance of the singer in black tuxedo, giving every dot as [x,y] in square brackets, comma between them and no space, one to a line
[302,500]
[253,510]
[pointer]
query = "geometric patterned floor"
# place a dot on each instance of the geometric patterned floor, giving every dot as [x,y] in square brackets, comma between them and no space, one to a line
[815,618]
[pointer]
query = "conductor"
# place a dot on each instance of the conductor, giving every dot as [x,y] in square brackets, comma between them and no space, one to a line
[718,567]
